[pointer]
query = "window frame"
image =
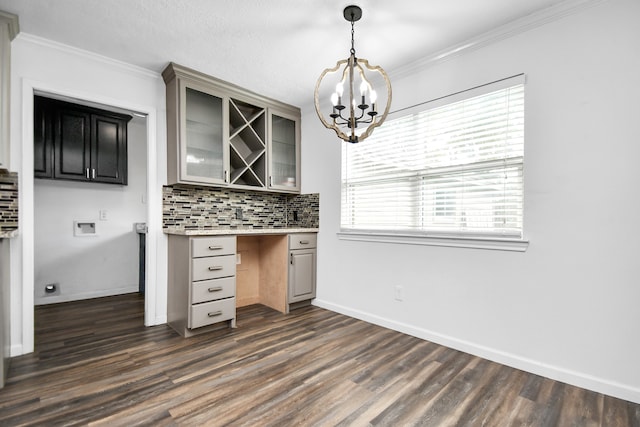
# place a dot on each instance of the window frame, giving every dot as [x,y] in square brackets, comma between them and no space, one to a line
[467,239]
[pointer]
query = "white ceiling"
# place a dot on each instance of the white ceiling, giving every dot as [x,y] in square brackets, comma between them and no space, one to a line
[277,48]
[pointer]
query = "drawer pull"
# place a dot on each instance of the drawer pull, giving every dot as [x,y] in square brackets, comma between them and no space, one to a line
[215,248]
[215,313]
[216,289]
[215,268]
[304,242]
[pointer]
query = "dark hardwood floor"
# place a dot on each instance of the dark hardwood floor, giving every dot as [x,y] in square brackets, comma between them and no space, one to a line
[95,363]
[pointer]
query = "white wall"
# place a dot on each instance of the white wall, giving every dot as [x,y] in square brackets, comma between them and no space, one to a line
[568,307]
[100,265]
[38,64]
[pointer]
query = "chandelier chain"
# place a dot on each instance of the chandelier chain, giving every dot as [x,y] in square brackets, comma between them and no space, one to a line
[353,49]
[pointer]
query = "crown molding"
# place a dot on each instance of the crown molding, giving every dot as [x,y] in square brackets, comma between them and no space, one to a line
[12,21]
[519,26]
[133,69]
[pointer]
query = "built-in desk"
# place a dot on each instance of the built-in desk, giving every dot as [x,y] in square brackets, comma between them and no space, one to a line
[273,267]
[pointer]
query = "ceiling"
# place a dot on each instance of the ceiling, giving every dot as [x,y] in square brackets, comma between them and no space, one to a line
[277,48]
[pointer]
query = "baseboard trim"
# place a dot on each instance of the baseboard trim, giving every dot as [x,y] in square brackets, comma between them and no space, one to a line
[87,295]
[579,379]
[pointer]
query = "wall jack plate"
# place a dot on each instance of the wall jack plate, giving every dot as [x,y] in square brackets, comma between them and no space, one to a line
[84,228]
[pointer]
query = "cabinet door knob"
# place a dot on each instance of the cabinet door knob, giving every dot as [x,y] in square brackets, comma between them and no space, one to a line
[215,313]
[215,267]
[216,289]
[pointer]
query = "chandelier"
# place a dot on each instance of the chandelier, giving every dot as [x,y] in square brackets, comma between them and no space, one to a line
[353,116]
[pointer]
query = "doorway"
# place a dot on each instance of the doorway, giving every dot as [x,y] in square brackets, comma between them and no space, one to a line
[86,232]
[23,250]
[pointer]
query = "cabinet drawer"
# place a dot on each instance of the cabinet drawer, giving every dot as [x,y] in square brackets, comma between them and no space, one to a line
[213,246]
[208,313]
[209,290]
[302,240]
[213,267]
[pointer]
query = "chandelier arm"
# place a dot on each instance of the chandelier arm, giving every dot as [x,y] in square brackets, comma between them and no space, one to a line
[344,120]
[347,120]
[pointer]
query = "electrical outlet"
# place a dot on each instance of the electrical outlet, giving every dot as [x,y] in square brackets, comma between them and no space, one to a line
[238,259]
[104,215]
[398,293]
[238,213]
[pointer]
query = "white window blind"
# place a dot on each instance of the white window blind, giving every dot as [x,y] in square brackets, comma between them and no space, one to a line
[448,167]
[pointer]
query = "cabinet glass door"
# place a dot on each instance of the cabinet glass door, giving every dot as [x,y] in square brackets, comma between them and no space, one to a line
[204,159]
[284,154]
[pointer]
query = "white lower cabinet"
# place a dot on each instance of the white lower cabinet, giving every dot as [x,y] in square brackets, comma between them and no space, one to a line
[302,269]
[202,283]
[204,290]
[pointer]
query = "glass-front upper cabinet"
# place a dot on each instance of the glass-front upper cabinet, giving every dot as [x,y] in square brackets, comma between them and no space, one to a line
[284,151]
[221,135]
[197,128]
[204,153]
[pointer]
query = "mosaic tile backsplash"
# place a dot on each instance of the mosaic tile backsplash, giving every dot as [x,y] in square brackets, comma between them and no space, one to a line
[303,211]
[8,200]
[201,208]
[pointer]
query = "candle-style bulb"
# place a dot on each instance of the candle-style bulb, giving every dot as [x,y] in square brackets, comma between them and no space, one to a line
[363,88]
[334,99]
[373,96]
[340,88]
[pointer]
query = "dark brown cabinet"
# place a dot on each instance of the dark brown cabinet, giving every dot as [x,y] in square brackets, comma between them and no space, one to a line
[79,143]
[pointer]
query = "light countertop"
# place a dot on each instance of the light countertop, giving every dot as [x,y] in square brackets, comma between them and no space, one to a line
[7,234]
[239,232]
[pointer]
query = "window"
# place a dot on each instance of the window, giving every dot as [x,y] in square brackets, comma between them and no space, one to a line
[447,168]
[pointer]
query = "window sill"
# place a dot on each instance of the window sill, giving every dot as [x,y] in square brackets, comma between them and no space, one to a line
[490,243]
